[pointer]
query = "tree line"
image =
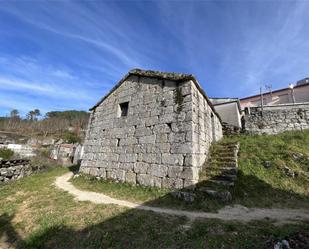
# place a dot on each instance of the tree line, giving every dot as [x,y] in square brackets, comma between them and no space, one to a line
[52,123]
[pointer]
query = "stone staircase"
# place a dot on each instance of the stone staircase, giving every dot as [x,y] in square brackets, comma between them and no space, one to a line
[220,171]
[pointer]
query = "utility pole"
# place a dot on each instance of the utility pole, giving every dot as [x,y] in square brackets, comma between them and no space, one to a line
[269,89]
[292,92]
[261,96]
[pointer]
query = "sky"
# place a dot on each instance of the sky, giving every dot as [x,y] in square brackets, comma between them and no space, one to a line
[64,55]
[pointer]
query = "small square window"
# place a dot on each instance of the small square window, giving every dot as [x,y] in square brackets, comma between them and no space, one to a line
[124,108]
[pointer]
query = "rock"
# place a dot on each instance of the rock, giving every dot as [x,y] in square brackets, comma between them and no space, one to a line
[289,172]
[224,196]
[297,155]
[76,176]
[278,245]
[185,196]
[285,244]
[208,191]
[267,164]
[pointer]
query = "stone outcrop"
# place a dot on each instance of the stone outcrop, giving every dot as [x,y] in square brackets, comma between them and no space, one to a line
[152,129]
[276,119]
[14,169]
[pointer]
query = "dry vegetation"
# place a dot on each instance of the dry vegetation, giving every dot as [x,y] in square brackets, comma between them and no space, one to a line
[53,123]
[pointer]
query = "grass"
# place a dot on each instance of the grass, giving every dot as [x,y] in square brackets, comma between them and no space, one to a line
[256,186]
[35,214]
[261,187]
[139,194]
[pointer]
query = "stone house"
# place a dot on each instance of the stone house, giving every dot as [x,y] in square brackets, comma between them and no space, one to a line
[152,129]
[66,154]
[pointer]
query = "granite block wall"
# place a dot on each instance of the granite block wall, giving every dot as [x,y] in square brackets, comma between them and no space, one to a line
[276,119]
[207,127]
[168,127]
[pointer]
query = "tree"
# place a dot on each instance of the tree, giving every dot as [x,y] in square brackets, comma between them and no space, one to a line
[32,115]
[14,113]
[37,112]
[14,119]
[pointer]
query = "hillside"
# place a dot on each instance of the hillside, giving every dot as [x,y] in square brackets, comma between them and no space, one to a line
[55,124]
[273,170]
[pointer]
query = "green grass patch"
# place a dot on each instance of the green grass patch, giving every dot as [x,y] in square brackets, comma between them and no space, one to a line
[258,186]
[6,154]
[35,214]
[142,195]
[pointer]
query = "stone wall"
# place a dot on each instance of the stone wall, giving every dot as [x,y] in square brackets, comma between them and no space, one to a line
[161,142]
[276,119]
[14,169]
[206,128]
[23,150]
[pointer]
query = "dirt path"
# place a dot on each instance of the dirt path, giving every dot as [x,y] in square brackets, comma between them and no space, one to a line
[236,212]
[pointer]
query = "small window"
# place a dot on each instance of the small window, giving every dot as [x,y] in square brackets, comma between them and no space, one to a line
[124,108]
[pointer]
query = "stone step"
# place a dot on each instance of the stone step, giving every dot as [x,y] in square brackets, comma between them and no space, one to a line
[224,196]
[222,182]
[224,153]
[229,149]
[223,164]
[226,177]
[225,148]
[227,170]
[222,159]
[227,144]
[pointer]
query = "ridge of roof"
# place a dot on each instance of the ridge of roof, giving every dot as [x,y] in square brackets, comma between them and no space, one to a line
[161,75]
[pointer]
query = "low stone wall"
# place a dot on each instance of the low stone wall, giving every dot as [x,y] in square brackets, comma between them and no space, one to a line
[276,119]
[14,169]
[23,150]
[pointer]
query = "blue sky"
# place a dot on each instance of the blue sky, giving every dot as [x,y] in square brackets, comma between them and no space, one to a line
[67,55]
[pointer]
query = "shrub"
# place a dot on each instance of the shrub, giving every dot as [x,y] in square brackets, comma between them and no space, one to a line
[6,153]
[41,162]
[71,137]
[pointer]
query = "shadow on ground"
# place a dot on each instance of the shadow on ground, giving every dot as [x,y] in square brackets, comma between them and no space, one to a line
[144,229]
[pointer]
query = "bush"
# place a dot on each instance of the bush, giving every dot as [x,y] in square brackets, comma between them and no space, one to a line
[6,153]
[71,137]
[40,162]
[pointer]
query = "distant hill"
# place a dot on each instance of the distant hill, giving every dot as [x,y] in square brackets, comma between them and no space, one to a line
[55,123]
